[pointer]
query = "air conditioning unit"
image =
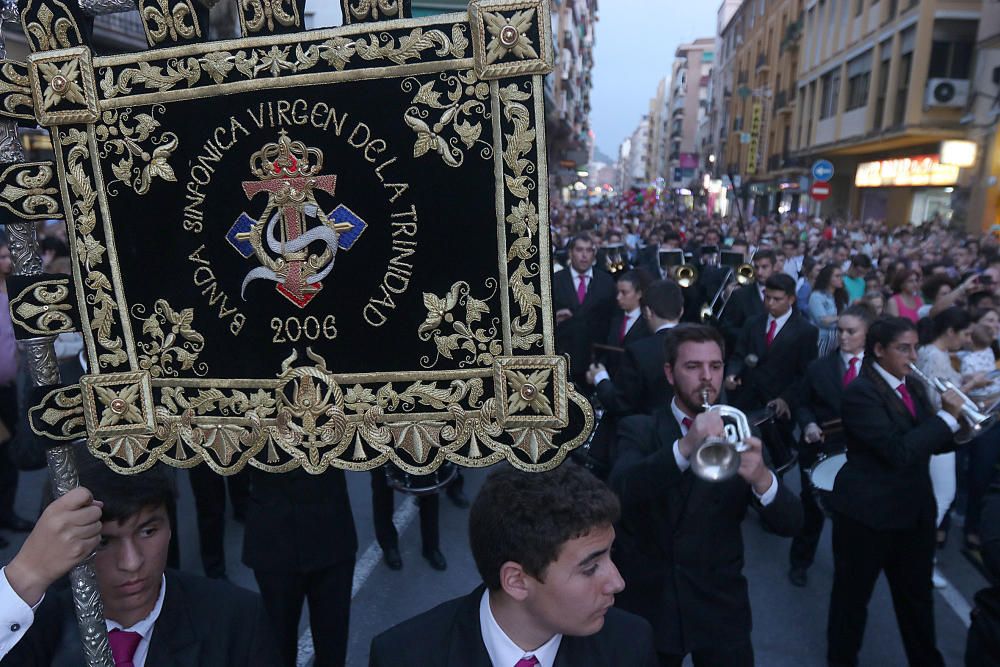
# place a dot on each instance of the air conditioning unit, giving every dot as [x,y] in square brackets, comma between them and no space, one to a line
[947,93]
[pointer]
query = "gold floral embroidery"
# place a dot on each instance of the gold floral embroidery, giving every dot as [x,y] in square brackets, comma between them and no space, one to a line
[50,32]
[417,439]
[61,83]
[120,407]
[89,251]
[28,191]
[179,345]
[523,217]
[533,441]
[463,114]
[179,22]
[255,14]
[477,344]
[528,391]
[374,9]
[509,35]
[43,308]
[120,134]
[219,66]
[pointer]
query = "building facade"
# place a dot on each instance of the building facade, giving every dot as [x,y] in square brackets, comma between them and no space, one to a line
[687,109]
[883,84]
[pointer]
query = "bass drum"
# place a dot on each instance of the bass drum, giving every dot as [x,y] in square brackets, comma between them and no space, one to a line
[420,485]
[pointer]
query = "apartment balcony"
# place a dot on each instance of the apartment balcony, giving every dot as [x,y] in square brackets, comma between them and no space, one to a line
[738,124]
[742,77]
[762,64]
[783,101]
[793,34]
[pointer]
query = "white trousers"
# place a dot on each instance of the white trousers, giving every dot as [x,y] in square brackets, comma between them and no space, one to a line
[943,478]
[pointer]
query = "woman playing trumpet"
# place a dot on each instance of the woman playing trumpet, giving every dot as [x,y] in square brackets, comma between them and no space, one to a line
[883,502]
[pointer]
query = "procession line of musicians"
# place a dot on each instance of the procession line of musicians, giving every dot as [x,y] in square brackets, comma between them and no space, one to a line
[556,550]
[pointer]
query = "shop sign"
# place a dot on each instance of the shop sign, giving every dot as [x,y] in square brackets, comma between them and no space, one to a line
[918,171]
[755,121]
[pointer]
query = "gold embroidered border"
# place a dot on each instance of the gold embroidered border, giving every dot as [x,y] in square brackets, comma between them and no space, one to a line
[59,416]
[325,56]
[46,29]
[169,21]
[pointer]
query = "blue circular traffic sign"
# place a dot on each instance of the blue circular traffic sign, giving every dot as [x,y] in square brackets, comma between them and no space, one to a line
[822,170]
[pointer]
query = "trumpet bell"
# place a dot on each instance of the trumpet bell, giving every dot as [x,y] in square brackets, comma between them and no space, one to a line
[983,424]
[716,460]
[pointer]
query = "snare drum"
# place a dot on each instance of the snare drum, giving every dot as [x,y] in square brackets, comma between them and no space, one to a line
[823,474]
[420,485]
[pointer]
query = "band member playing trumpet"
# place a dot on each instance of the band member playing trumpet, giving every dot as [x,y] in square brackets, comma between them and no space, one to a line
[883,504]
[679,544]
[818,416]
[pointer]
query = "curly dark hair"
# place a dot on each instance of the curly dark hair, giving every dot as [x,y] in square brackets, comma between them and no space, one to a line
[527,517]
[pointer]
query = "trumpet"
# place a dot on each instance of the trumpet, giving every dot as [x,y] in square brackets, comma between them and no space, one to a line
[685,275]
[718,457]
[976,421]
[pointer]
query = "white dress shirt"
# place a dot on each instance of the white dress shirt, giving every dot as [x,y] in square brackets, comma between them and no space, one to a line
[781,322]
[144,627]
[633,317]
[502,650]
[846,358]
[15,615]
[587,275]
[683,463]
[894,382]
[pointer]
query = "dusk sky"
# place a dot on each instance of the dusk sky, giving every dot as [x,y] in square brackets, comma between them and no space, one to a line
[635,44]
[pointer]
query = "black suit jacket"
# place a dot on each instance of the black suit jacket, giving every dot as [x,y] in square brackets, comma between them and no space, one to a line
[203,623]
[744,303]
[639,330]
[679,543]
[886,482]
[780,367]
[298,522]
[589,323]
[449,635]
[640,385]
[822,392]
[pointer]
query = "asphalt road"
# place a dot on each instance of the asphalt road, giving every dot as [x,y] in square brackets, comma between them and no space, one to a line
[789,622]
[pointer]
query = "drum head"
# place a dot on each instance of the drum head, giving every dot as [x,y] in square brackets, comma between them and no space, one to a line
[824,473]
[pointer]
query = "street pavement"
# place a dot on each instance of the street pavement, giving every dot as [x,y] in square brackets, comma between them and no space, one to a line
[789,622]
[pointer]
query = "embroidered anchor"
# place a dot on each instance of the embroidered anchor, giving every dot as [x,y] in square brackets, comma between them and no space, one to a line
[289,173]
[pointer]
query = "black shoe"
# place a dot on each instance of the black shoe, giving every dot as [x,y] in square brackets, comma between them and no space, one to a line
[798,576]
[457,497]
[392,559]
[436,559]
[17,524]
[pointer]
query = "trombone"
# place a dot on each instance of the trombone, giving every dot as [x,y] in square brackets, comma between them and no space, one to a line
[744,275]
[685,275]
[673,262]
[977,422]
[718,457]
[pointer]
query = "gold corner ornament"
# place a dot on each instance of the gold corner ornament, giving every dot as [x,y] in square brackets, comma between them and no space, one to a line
[43,308]
[63,89]
[165,21]
[511,37]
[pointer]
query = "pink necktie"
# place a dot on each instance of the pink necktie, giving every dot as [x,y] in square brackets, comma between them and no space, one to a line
[581,290]
[530,661]
[687,422]
[904,394]
[624,330]
[852,371]
[123,645]
[771,330]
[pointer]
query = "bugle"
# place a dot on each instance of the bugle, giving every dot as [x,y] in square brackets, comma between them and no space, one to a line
[717,458]
[976,421]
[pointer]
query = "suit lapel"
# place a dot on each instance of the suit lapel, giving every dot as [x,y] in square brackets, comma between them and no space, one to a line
[466,648]
[174,642]
[897,408]
[579,652]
